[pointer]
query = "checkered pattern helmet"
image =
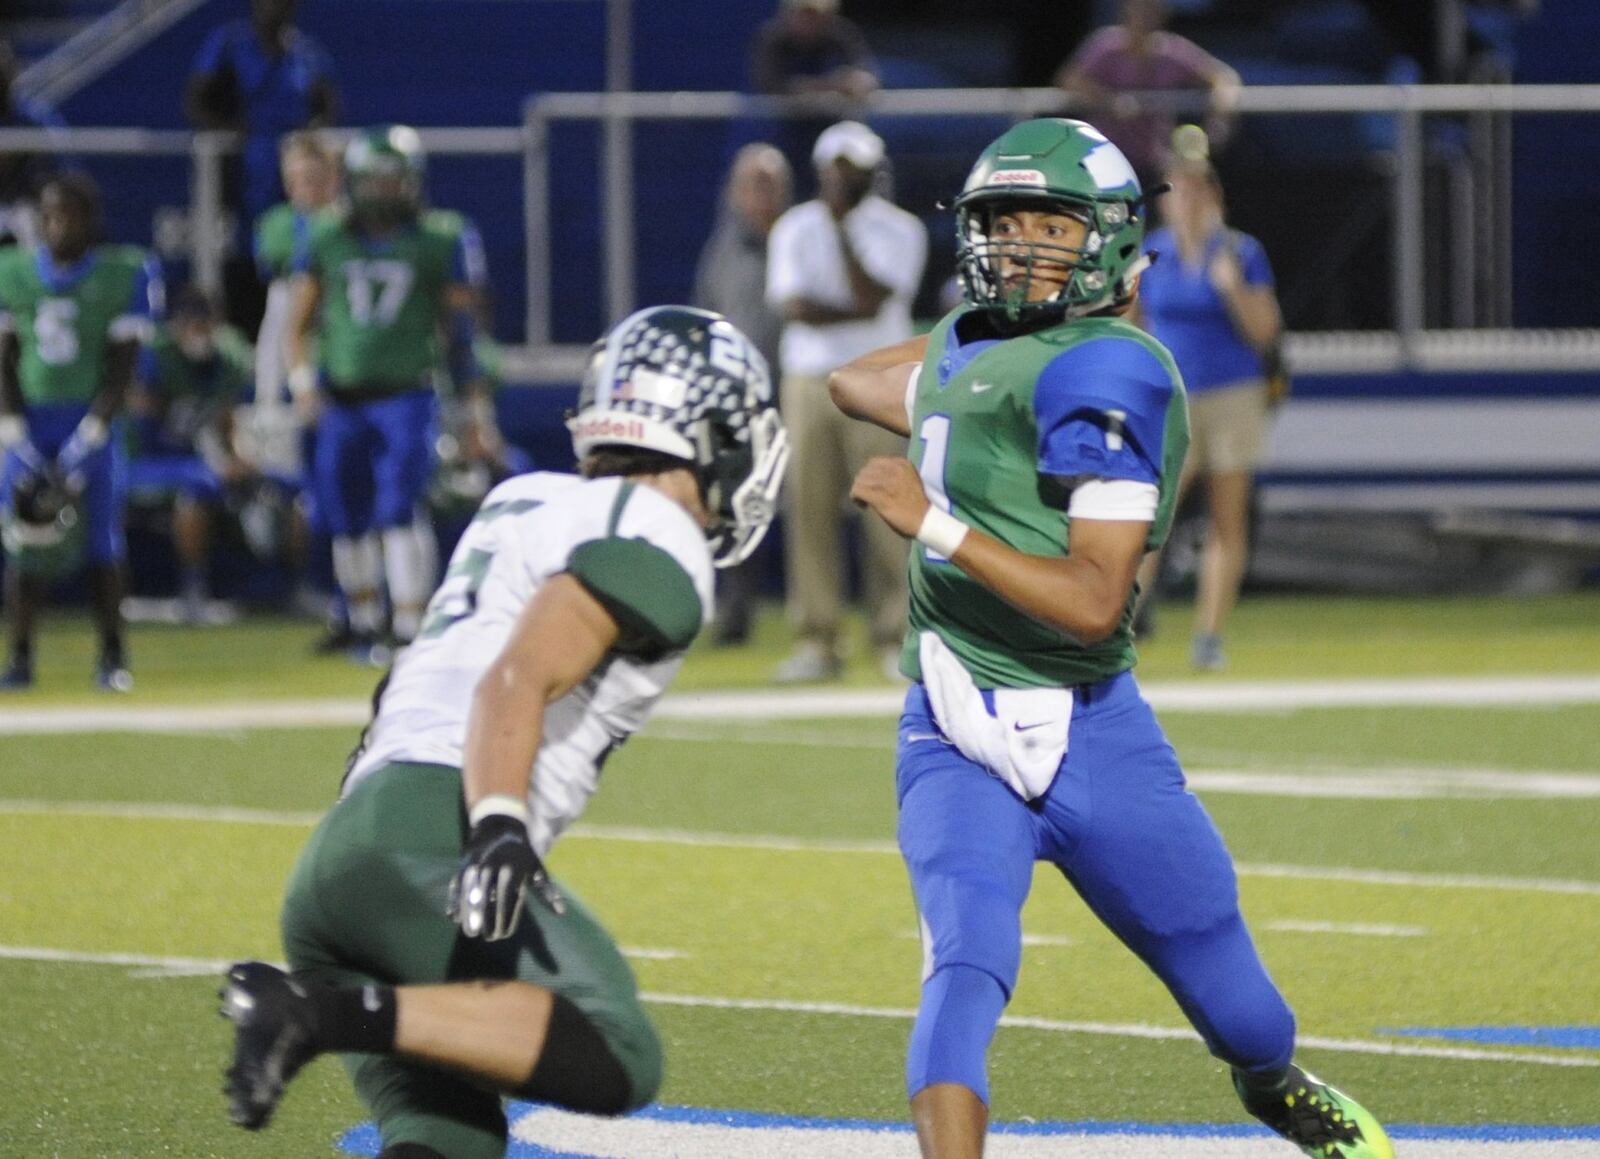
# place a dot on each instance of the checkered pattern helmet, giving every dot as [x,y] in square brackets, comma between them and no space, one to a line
[687,383]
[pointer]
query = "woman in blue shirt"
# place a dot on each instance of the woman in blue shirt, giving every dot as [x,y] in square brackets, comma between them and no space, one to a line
[1210,301]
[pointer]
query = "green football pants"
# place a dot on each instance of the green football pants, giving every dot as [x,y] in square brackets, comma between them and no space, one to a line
[366,903]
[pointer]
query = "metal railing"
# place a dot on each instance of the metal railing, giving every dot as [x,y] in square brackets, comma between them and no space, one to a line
[541,359]
[1409,344]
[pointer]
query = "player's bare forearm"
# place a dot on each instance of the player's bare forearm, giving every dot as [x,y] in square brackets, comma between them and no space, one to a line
[307,296]
[562,636]
[874,396]
[1083,594]
[873,387]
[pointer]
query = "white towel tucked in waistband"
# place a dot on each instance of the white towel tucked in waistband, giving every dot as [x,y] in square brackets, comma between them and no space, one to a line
[1022,743]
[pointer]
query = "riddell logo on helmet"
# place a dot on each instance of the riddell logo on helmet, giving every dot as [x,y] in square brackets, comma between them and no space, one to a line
[608,427]
[1017,177]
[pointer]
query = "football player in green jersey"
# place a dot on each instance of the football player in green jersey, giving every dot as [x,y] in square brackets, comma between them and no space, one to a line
[387,277]
[1048,436]
[72,316]
[282,236]
[182,446]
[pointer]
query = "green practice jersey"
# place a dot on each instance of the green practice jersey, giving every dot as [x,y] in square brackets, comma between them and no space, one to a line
[283,239]
[1002,430]
[192,395]
[382,299]
[65,318]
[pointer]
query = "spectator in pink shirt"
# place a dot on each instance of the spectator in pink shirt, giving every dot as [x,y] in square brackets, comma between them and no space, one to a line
[1118,61]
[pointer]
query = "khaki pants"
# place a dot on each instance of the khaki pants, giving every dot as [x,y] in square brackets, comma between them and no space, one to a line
[828,450]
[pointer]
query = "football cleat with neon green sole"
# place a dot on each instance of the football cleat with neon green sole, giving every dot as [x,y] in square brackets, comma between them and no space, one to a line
[1326,1123]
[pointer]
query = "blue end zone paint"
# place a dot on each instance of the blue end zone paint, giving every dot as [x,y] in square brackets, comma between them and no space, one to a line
[1569,1037]
[363,1140]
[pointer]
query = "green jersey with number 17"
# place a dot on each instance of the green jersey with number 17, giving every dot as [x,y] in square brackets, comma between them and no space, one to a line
[1002,431]
[639,553]
[66,316]
[382,297]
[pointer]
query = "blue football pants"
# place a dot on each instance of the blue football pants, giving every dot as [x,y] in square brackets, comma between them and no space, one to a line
[1120,825]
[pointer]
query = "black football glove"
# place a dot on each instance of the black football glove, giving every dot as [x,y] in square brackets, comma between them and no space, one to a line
[497,870]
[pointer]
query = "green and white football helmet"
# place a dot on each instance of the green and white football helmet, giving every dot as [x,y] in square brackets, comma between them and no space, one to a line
[1070,167]
[383,170]
[687,383]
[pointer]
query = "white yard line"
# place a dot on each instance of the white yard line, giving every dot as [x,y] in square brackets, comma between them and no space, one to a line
[757,841]
[1358,929]
[168,966]
[1127,1030]
[182,966]
[1182,696]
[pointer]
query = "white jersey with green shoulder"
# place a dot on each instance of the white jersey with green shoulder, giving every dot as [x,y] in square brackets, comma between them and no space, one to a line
[638,552]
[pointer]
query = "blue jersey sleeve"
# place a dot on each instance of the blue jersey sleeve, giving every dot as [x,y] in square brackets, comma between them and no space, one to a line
[1101,409]
[146,304]
[469,266]
[300,256]
[149,298]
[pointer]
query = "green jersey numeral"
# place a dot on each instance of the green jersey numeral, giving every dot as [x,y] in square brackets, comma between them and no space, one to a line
[377,288]
[457,597]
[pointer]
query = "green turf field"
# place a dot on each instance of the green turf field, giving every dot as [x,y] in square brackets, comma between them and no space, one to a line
[1422,869]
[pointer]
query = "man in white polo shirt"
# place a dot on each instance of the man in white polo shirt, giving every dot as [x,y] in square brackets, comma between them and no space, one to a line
[842,271]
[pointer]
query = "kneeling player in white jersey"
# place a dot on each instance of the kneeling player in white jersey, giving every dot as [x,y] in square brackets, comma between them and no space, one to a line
[426,942]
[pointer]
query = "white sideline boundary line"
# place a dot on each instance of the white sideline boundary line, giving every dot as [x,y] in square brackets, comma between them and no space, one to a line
[776,844]
[176,966]
[1126,1030]
[1181,696]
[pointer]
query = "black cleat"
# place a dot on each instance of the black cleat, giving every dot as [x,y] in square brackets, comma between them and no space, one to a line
[273,1026]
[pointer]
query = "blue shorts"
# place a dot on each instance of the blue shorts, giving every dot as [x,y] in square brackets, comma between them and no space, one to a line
[104,472]
[185,475]
[1121,826]
[371,462]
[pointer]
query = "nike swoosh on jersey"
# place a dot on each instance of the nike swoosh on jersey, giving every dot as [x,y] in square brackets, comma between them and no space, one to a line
[1020,727]
[980,387]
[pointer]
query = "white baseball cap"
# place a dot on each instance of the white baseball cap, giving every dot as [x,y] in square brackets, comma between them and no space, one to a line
[851,140]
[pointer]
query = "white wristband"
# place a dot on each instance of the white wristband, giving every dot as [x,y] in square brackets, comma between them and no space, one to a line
[302,381]
[93,431]
[13,430]
[941,532]
[502,804]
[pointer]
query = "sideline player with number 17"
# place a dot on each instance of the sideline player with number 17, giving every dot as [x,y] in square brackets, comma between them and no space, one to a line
[386,276]
[1048,438]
